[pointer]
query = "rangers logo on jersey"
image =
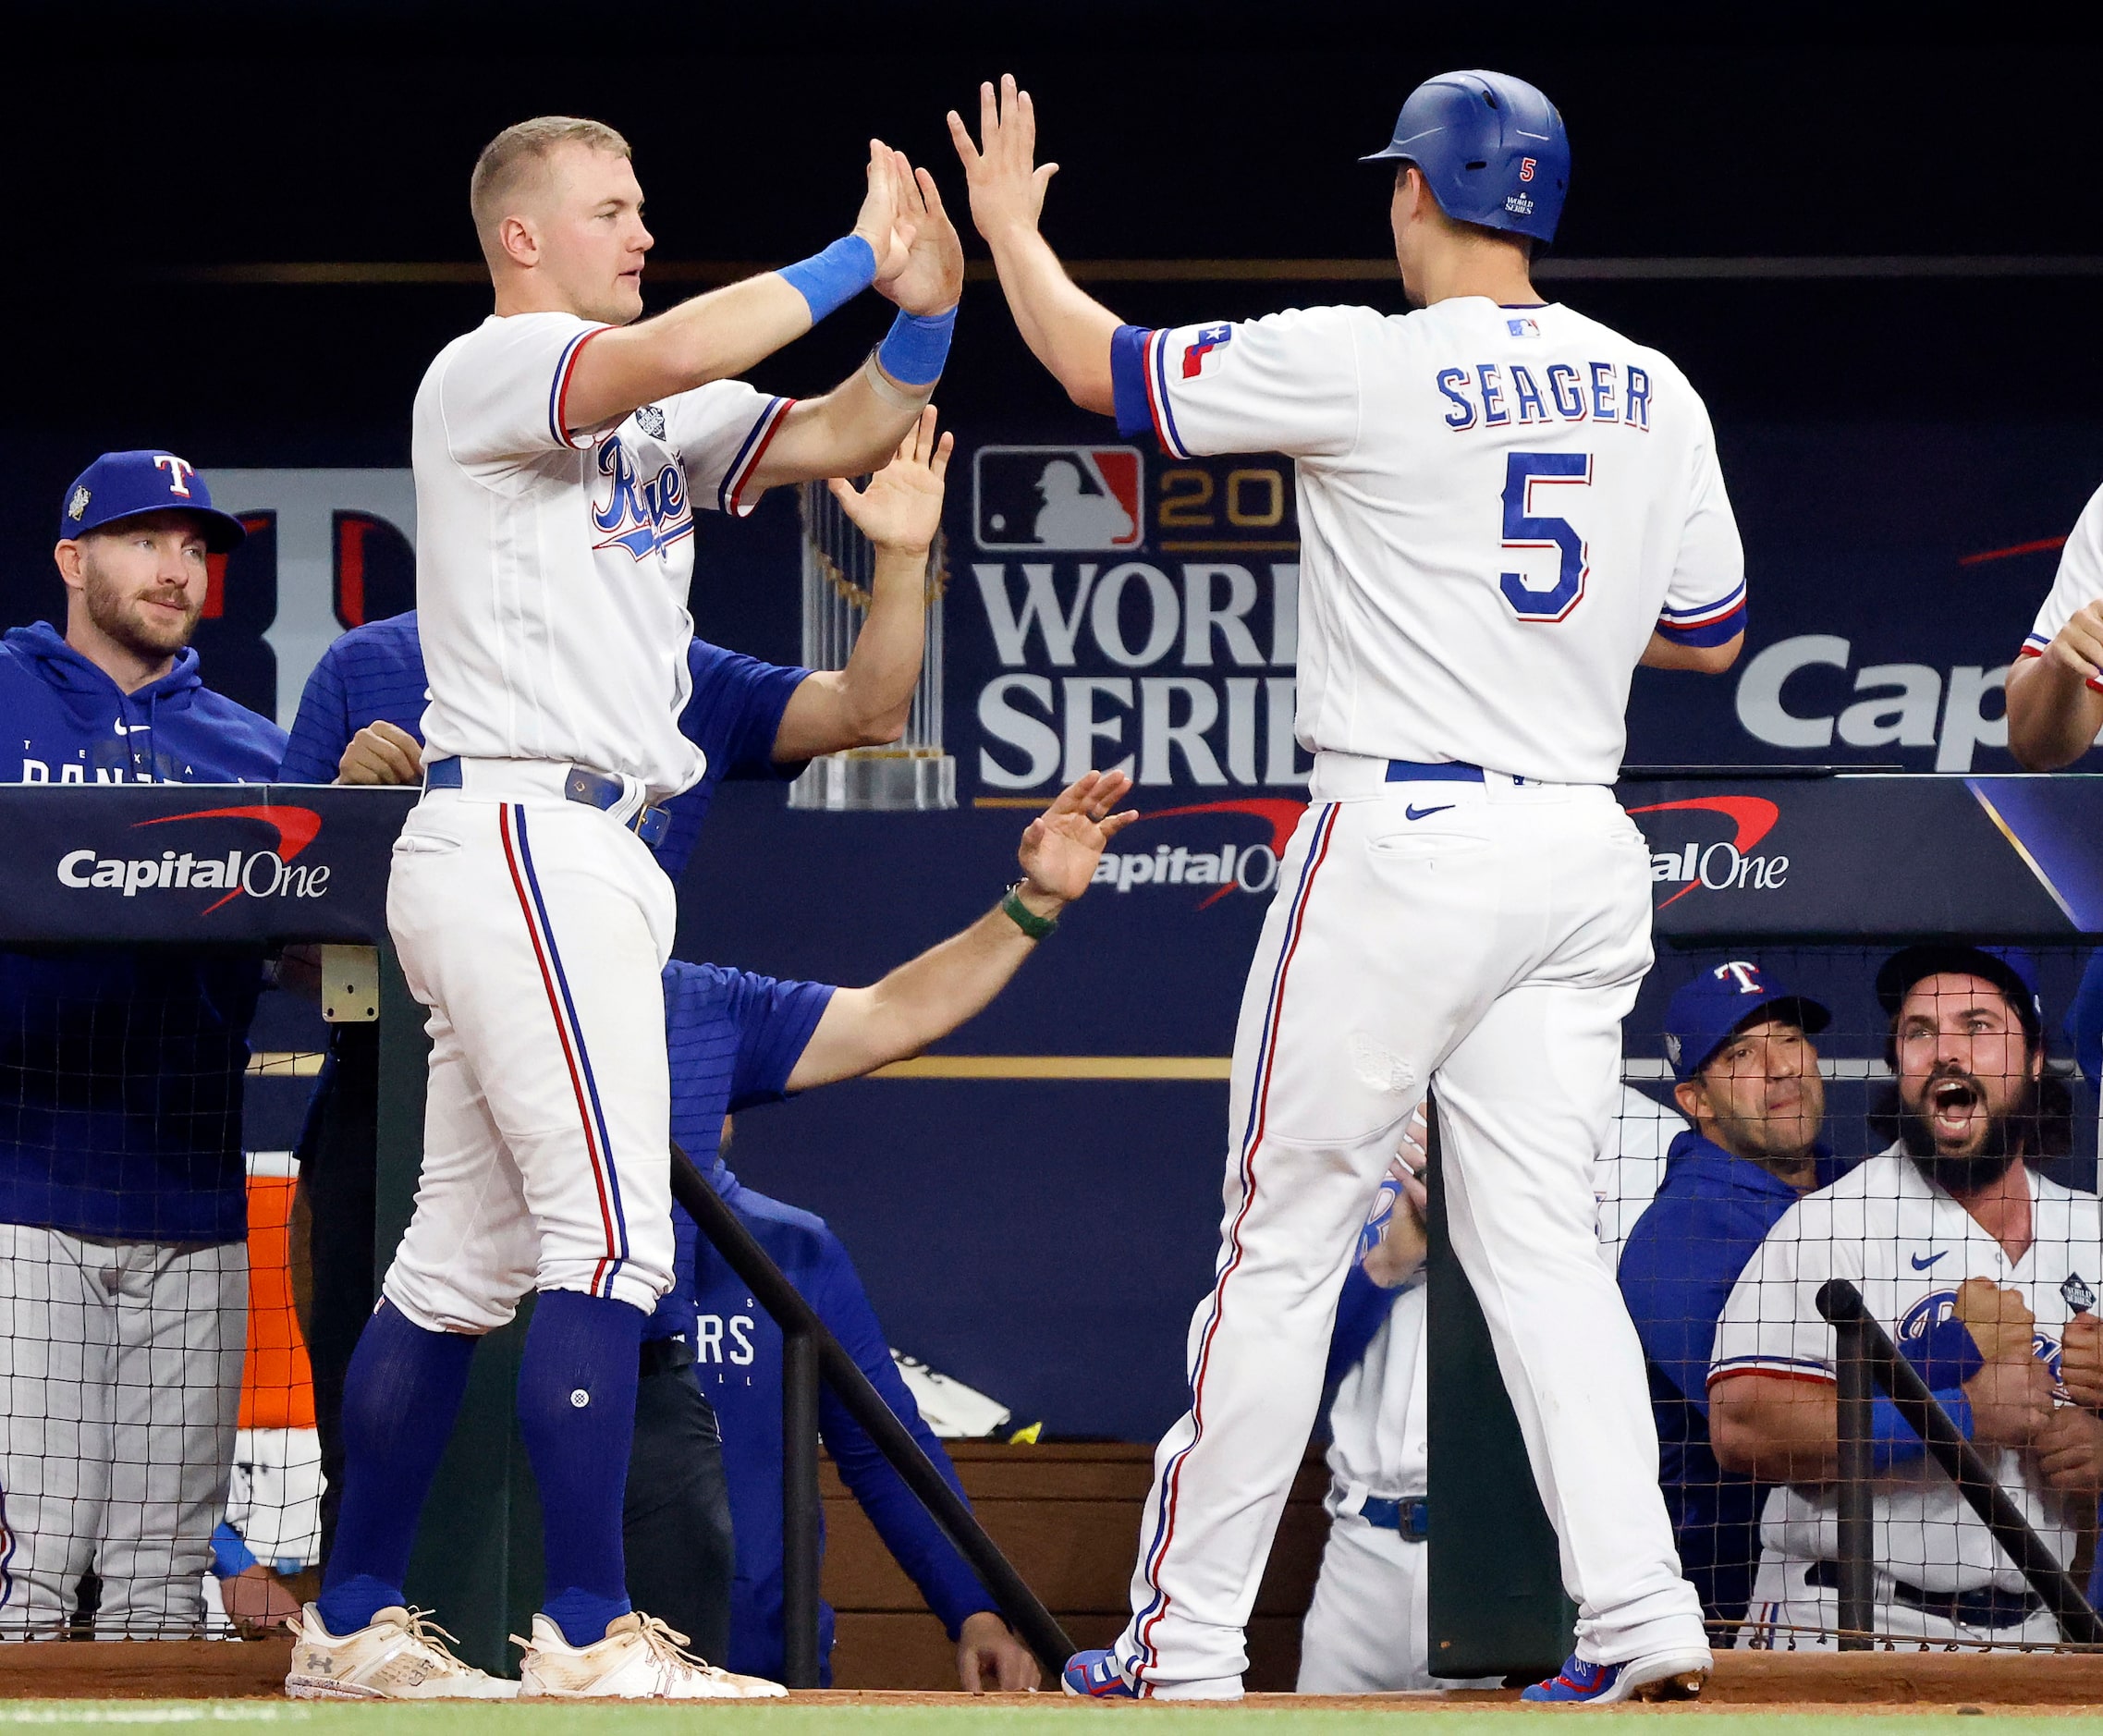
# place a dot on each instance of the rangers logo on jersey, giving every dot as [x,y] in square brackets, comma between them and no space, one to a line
[641,517]
[1209,338]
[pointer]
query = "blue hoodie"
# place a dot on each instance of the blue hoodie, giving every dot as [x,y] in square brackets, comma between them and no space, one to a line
[120,1071]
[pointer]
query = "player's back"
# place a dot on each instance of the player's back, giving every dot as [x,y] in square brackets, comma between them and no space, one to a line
[1498,506]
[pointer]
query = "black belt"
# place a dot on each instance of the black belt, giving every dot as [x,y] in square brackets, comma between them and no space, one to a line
[1411,1516]
[1987,1608]
[579,783]
[664,1356]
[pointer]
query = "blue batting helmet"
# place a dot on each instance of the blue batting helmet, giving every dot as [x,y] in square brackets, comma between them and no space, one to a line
[1491,147]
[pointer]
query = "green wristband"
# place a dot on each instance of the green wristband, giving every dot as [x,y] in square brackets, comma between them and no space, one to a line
[1024,917]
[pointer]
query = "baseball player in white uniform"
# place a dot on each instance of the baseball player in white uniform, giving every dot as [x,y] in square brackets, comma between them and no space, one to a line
[2055,685]
[1974,1263]
[1369,1625]
[1504,507]
[562,453]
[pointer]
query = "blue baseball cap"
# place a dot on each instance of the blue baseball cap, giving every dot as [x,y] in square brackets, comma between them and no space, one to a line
[1718,1002]
[2009,968]
[124,485]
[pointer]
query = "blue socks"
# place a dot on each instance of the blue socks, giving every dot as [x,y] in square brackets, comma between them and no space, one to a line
[577,1411]
[400,1398]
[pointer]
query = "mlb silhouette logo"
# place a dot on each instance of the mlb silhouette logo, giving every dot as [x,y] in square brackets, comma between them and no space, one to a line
[1033,498]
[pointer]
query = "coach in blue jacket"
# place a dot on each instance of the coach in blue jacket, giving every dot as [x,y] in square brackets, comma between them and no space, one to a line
[1749,1081]
[123,1203]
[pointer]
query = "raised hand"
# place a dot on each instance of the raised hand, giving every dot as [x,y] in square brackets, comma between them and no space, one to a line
[881,221]
[901,508]
[934,275]
[1062,845]
[1006,183]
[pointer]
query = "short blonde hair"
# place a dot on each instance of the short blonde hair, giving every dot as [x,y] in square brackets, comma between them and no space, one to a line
[521,152]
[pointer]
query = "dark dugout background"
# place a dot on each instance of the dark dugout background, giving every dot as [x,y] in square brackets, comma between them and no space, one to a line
[1868,249]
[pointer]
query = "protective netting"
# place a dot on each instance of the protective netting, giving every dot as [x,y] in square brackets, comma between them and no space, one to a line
[1783,1122]
[1923,1124]
[158,1472]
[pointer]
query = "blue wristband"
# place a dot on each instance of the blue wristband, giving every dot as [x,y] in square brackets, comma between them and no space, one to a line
[914,349]
[1894,1443]
[831,279]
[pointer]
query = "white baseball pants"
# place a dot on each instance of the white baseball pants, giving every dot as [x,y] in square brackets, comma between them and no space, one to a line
[1487,939]
[535,930]
[1368,1628]
[120,1368]
[1789,1614]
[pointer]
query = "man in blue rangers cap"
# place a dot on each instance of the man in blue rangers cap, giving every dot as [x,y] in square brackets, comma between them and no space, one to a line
[1748,1080]
[123,1204]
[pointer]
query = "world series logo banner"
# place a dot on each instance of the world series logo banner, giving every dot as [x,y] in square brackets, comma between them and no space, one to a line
[1109,606]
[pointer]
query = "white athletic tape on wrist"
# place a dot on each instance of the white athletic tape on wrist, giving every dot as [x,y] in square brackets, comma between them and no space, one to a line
[890,392]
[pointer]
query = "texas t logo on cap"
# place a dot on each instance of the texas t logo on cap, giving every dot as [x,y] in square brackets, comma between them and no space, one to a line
[126,485]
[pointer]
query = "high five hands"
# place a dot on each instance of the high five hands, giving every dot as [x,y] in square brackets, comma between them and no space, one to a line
[1062,845]
[901,508]
[1007,183]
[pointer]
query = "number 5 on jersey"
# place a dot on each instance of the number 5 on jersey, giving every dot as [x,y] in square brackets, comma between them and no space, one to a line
[1522,528]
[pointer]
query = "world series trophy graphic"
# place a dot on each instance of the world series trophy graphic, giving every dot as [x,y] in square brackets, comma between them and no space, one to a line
[912,773]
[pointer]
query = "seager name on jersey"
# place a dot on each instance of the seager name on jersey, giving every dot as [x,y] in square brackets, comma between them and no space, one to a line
[1497,395]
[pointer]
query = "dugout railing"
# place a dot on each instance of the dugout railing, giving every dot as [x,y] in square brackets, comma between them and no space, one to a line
[119,866]
[1803,868]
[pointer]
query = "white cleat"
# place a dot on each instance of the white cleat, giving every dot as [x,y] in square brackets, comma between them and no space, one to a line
[400,1656]
[639,1659]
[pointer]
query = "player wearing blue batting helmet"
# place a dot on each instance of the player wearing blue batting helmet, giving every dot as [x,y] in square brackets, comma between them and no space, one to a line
[1491,147]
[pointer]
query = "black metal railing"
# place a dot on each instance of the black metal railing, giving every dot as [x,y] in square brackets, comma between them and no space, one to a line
[809,1353]
[1869,1364]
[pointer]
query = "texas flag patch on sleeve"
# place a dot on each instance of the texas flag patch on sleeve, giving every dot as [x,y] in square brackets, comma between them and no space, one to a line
[1199,350]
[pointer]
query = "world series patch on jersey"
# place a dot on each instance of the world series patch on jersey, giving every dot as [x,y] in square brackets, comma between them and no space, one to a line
[1498,507]
[554,561]
[1907,1246]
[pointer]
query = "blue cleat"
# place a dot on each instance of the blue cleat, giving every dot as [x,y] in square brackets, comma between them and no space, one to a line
[1662,1676]
[1096,1676]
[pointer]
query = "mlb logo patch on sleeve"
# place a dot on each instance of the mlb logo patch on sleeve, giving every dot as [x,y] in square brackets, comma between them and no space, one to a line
[1058,497]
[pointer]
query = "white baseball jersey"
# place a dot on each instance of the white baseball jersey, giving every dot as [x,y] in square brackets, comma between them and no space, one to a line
[1907,1246]
[1380,1415]
[553,562]
[2078,584]
[1497,506]
[1626,1178]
